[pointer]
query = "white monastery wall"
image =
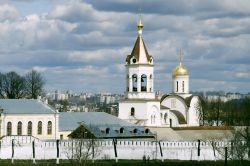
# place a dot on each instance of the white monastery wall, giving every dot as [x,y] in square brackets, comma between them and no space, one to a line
[126,149]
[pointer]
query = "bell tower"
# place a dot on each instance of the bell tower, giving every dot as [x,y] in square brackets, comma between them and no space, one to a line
[139,70]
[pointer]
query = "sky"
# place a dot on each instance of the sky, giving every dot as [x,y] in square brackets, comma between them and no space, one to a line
[81,45]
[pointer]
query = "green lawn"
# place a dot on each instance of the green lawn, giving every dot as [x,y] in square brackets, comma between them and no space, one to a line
[124,163]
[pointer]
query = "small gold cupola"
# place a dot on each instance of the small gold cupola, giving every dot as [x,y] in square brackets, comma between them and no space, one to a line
[180,69]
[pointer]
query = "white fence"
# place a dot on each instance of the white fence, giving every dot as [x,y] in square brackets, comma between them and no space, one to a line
[126,149]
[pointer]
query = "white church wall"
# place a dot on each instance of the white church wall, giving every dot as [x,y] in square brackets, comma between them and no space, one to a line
[146,111]
[175,103]
[139,110]
[153,114]
[174,119]
[183,84]
[139,70]
[34,118]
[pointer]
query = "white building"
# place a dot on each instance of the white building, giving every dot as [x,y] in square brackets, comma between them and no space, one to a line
[28,117]
[35,119]
[179,108]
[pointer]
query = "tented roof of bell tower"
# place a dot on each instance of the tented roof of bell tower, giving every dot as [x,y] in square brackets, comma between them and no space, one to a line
[139,54]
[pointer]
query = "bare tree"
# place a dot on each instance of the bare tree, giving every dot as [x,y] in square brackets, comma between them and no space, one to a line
[12,86]
[34,83]
[238,148]
[82,151]
[1,85]
[201,107]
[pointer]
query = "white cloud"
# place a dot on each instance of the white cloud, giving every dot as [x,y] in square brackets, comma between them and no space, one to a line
[8,13]
[82,41]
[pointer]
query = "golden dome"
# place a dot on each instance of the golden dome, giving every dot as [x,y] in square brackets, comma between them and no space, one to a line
[180,70]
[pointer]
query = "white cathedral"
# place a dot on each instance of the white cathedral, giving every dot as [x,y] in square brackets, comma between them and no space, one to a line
[141,106]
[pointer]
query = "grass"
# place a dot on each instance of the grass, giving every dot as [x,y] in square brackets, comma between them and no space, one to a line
[124,163]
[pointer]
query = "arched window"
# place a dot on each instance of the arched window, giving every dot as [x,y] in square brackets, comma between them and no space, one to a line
[182,86]
[19,128]
[9,128]
[121,130]
[165,117]
[150,76]
[176,86]
[49,128]
[143,83]
[134,60]
[147,131]
[107,130]
[170,122]
[134,82]
[29,128]
[127,83]
[154,119]
[39,128]
[135,131]
[132,112]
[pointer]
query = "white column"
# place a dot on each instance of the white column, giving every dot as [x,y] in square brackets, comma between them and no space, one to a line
[152,83]
[138,83]
[130,84]
[148,83]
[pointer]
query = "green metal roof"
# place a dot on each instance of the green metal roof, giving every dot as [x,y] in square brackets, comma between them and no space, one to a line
[25,106]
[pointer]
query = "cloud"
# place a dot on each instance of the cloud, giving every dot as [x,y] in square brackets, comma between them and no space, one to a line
[82,45]
[8,13]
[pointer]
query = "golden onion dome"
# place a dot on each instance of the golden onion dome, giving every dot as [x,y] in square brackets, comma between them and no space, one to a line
[180,70]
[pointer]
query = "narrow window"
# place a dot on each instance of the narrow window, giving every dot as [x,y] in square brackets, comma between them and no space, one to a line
[135,131]
[182,86]
[176,86]
[165,117]
[127,83]
[121,130]
[9,128]
[170,121]
[134,82]
[39,128]
[143,83]
[29,128]
[132,112]
[49,128]
[107,130]
[19,128]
